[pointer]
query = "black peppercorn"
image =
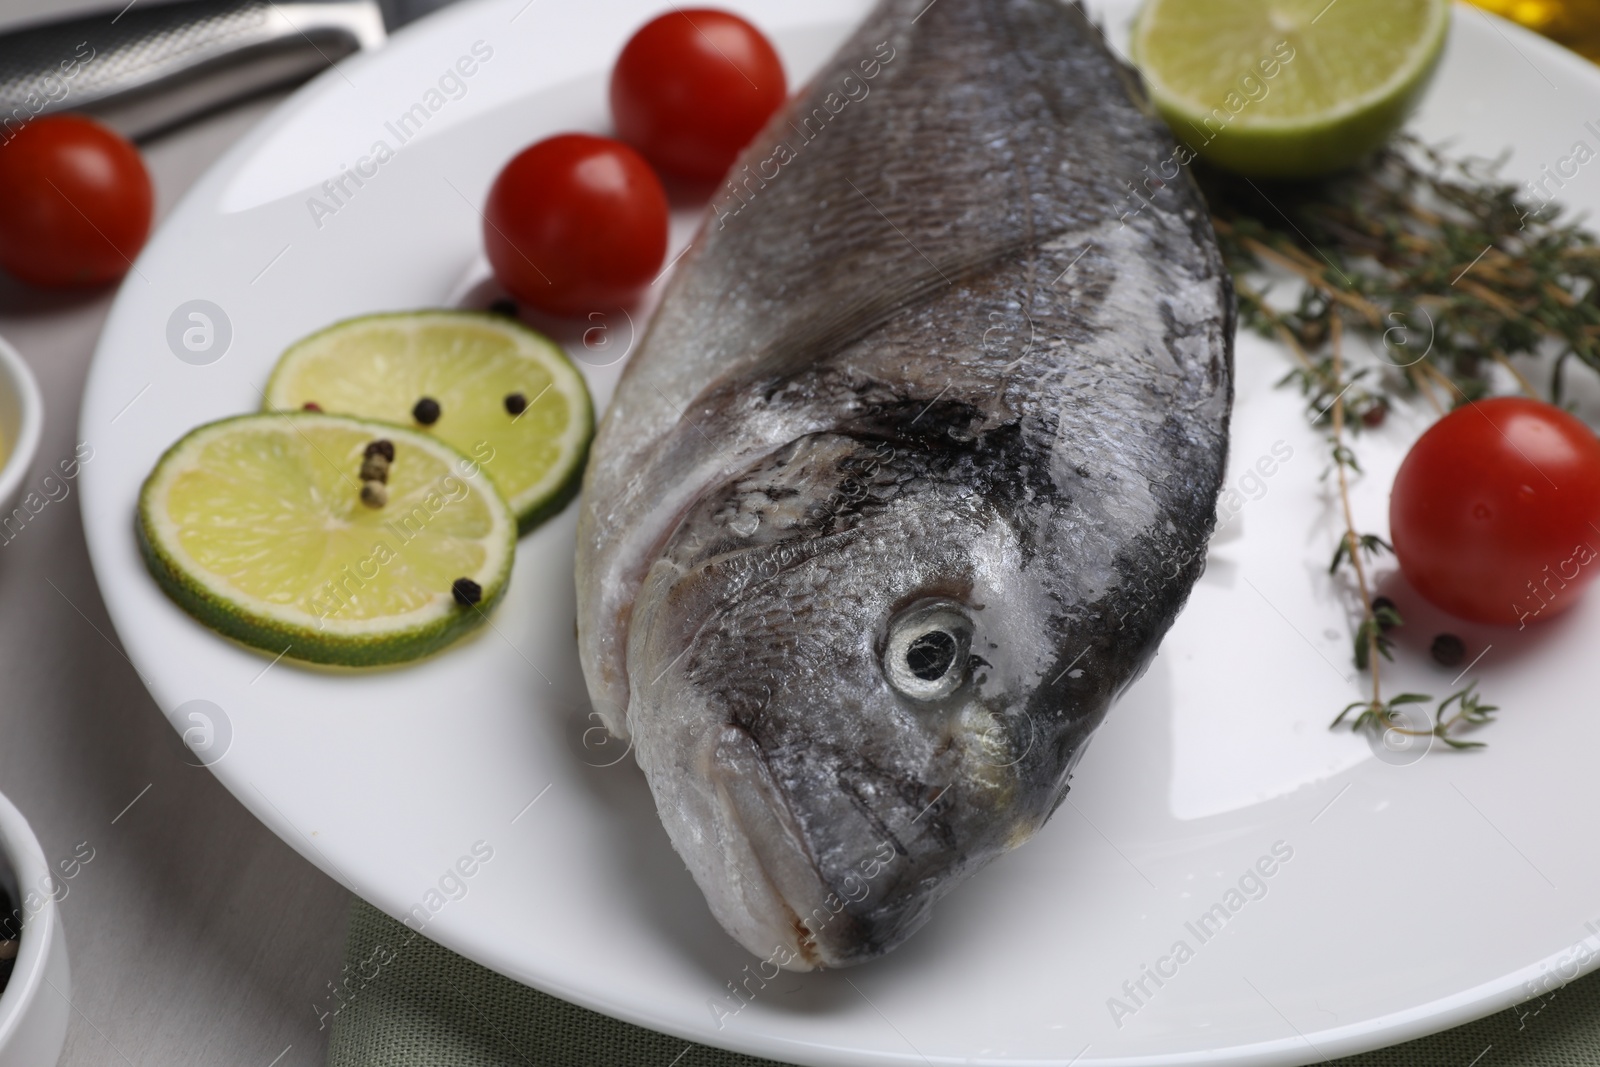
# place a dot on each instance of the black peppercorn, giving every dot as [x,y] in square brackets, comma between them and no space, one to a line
[467,592]
[381,447]
[516,403]
[426,411]
[1448,650]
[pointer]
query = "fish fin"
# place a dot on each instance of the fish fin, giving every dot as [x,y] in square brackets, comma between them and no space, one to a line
[823,335]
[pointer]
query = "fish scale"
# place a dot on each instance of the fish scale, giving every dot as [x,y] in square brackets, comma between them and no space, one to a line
[933,376]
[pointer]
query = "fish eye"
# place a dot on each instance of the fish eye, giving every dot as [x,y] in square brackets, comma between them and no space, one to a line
[930,655]
[925,657]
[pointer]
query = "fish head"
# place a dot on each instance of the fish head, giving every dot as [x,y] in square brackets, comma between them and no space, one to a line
[835,673]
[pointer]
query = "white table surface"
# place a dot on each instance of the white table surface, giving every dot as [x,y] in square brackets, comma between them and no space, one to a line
[195,935]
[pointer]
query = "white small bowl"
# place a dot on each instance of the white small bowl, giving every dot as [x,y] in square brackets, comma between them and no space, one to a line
[21,422]
[34,1008]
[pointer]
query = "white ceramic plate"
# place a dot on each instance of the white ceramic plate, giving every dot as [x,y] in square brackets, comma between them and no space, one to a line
[1419,895]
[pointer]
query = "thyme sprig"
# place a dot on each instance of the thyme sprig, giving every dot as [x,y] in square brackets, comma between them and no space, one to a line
[1416,247]
[1469,711]
[1460,280]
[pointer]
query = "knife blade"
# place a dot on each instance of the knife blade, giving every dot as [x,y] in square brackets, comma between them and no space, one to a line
[150,66]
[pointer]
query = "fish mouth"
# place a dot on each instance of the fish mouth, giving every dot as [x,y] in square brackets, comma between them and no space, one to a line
[790,916]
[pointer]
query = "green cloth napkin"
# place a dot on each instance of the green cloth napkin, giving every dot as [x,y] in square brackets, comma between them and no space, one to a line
[425,1006]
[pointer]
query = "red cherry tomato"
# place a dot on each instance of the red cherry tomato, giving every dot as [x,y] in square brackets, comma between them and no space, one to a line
[1494,512]
[691,89]
[75,202]
[576,224]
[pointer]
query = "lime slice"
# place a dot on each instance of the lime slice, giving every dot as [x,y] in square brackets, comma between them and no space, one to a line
[470,364]
[256,526]
[1287,88]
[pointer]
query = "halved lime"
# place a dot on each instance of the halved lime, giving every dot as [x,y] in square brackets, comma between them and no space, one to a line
[506,396]
[1287,88]
[256,526]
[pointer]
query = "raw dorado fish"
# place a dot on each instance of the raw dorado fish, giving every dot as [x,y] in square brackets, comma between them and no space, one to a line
[915,466]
